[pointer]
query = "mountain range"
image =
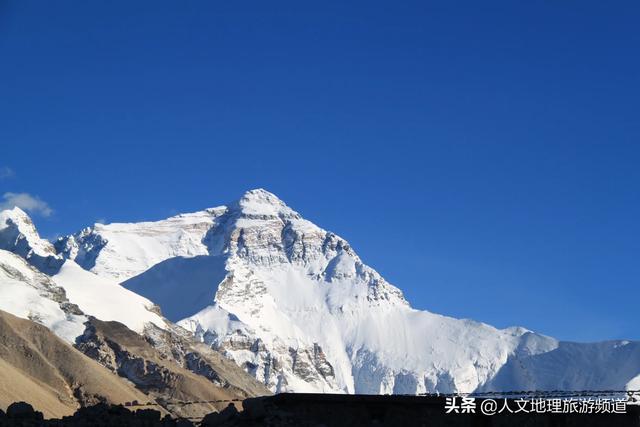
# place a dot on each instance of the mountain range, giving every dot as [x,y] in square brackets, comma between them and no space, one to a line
[253,298]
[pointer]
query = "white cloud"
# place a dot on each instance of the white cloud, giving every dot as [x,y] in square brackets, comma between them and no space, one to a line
[6,172]
[27,202]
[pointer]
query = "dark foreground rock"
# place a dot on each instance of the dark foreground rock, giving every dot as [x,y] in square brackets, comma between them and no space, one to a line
[360,410]
[97,415]
[320,410]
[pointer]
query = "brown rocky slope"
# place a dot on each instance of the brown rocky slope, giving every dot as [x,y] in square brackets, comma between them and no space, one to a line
[38,367]
[112,364]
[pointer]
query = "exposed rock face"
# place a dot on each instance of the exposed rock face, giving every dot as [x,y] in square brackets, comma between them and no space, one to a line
[84,254]
[38,367]
[181,374]
[177,345]
[144,373]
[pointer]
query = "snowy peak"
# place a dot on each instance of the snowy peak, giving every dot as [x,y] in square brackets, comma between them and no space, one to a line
[17,229]
[262,231]
[261,204]
[260,197]
[124,250]
[18,234]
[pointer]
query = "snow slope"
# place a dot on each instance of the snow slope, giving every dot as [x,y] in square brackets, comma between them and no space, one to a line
[35,282]
[29,294]
[106,299]
[133,248]
[295,306]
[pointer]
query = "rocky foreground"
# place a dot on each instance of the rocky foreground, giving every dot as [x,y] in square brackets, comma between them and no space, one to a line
[317,410]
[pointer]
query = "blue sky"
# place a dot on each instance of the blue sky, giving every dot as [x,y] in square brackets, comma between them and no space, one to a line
[483,156]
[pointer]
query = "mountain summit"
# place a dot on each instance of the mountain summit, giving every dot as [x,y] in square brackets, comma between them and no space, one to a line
[261,202]
[18,234]
[296,308]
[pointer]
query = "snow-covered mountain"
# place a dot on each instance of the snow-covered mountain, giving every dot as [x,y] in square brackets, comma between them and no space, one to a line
[117,328]
[297,308]
[44,270]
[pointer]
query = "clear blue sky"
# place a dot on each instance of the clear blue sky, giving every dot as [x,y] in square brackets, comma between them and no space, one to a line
[483,156]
